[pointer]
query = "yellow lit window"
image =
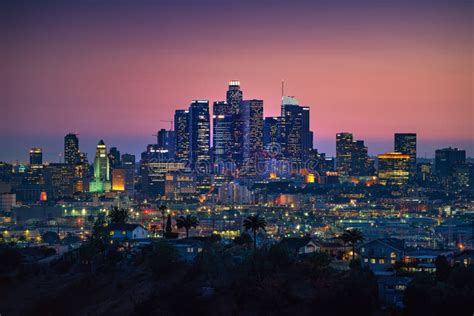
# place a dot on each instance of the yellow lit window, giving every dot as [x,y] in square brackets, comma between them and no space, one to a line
[393,255]
[111,233]
[381,261]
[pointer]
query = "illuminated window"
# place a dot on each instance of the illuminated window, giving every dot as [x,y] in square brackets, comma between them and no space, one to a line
[111,233]
[381,261]
[393,255]
[362,249]
[366,260]
[372,260]
[124,232]
[392,261]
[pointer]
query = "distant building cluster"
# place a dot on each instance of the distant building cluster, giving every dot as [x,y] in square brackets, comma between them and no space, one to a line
[247,149]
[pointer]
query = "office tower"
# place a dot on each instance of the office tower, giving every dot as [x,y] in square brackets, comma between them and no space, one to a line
[123,179]
[101,180]
[114,157]
[344,146]
[154,152]
[306,134]
[287,100]
[234,97]
[81,173]
[252,117]
[71,149]
[199,131]
[59,180]
[359,165]
[181,127]
[128,161]
[405,143]
[167,140]
[222,121]
[293,124]
[36,157]
[394,168]
[447,159]
[271,134]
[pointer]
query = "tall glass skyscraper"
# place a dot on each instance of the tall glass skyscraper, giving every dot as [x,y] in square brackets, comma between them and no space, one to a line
[199,131]
[181,128]
[71,149]
[405,143]
[234,99]
[344,146]
[101,180]
[222,121]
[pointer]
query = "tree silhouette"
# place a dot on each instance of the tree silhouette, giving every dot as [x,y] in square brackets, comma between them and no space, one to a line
[255,223]
[187,222]
[353,236]
[118,215]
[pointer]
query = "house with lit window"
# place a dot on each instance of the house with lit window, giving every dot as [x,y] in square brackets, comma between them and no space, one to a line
[423,260]
[381,254]
[130,232]
[465,258]
[300,245]
[188,248]
[391,289]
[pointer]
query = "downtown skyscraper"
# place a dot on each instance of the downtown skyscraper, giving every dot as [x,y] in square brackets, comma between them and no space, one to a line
[181,128]
[405,143]
[199,131]
[71,149]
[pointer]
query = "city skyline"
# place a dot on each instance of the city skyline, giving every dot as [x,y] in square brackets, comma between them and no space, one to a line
[356,66]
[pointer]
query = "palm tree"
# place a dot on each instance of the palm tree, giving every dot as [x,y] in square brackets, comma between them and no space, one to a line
[163,211]
[353,236]
[118,215]
[187,222]
[345,240]
[255,223]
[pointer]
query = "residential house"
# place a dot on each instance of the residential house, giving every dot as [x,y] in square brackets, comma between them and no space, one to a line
[131,232]
[381,254]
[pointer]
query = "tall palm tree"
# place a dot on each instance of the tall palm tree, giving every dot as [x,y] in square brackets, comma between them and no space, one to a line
[353,236]
[118,215]
[255,223]
[162,209]
[345,240]
[187,222]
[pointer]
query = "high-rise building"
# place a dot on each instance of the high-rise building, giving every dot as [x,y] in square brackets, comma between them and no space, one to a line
[59,180]
[222,121]
[36,157]
[447,159]
[71,149]
[405,143]
[394,168]
[114,157]
[101,180]
[181,127]
[252,117]
[199,131]
[272,135]
[344,146]
[128,161]
[234,97]
[167,140]
[293,122]
[306,134]
[360,158]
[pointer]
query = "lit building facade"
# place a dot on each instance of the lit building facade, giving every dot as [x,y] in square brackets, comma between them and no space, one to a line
[199,131]
[36,158]
[405,143]
[101,182]
[181,127]
[344,146]
[71,149]
[394,168]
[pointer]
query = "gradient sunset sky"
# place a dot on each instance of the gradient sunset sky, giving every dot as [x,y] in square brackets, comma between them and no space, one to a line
[115,69]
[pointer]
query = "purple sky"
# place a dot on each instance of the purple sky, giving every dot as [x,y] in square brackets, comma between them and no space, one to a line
[115,69]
